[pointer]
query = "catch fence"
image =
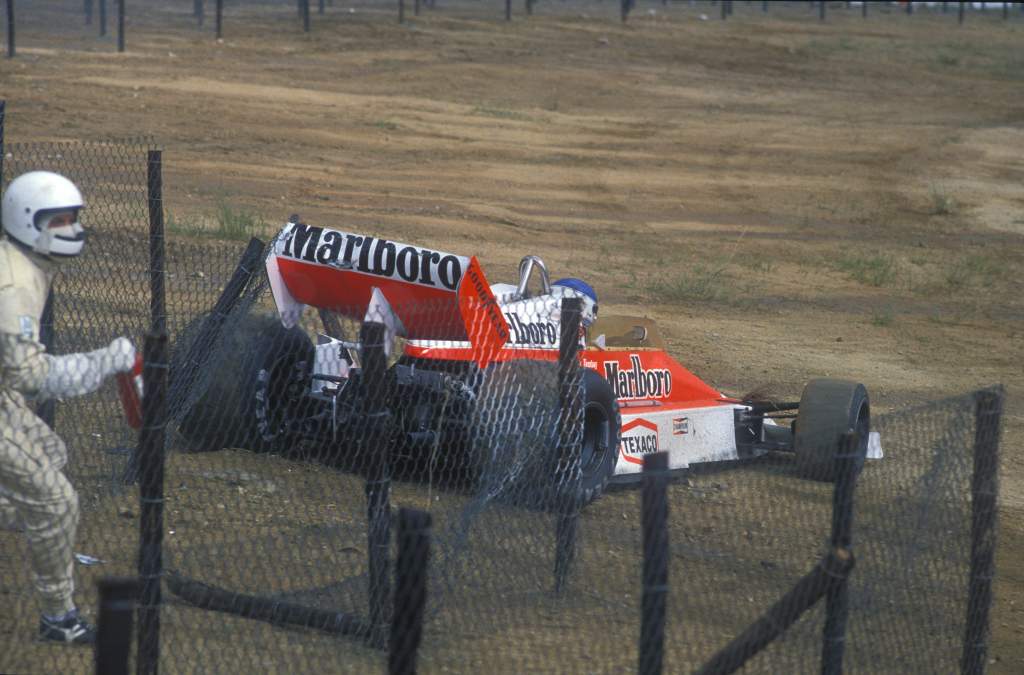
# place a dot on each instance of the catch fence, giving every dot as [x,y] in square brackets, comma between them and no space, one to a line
[262,535]
[99,24]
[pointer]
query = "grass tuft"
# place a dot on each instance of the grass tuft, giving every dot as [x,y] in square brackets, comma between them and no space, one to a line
[873,270]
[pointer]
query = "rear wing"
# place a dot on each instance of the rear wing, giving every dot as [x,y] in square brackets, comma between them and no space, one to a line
[420,293]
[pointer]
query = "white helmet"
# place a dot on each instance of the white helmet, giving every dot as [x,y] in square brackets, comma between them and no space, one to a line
[40,210]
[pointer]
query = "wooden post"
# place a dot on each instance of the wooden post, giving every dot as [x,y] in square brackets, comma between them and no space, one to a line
[410,591]
[120,26]
[566,471]
[837,599]
[654,529]
[10,30]
[984,499]
[151,499]
[114,632]
[376,451]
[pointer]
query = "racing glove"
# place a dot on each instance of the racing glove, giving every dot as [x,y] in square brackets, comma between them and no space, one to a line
[78,374]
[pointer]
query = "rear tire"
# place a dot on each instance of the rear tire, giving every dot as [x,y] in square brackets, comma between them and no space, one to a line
[828,409]
[515,434]
[602,424]
[252,395]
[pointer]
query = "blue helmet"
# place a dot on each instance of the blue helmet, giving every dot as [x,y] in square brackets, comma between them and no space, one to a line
[585,292]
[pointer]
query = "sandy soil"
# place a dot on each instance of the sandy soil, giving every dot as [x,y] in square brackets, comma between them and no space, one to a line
[788,199]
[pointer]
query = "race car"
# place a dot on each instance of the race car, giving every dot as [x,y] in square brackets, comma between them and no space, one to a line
[473,376]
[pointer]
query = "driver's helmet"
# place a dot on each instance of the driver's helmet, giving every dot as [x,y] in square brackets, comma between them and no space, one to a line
[577,288]
[40,210]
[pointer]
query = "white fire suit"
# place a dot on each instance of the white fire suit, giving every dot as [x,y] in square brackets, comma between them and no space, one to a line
[33,489]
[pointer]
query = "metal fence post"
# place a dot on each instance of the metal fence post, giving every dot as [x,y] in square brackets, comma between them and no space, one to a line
[984,496]
[10,29]
[103,18]
[304,5]
[654,598]
[219,20]
[568,453]
[114,632]
[376,451]
[151,499]
[157,242]
[837,599]
[410,590]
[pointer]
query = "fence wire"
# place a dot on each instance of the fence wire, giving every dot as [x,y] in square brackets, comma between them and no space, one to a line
[275,481]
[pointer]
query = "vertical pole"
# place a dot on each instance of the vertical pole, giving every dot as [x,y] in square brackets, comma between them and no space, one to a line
[508,10]
[410,590]
[103,18]
[984,495]
[114,633]
[47,410]
[10,29]
[821,10]
[960,13]
[837,599]
[3,114]
[401,11]
[157,242]
[199,11]
[566,472]
[120,25]
[376,449]
[864,9]
[624,7]
[88,12]
[654,528]
[305,15]
[151,499]
[725,10]
[219,19]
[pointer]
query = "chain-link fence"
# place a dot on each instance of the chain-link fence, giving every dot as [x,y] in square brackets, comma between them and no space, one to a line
[110,25]
[287,449]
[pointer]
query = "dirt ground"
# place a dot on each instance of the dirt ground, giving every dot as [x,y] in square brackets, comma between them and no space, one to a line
[788,198]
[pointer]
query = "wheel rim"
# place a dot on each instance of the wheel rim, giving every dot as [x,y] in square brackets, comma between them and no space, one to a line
[595,439]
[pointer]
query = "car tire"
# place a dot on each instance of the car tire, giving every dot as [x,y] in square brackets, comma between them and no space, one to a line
[602,425]
[515,433]
[828,409]
[247,392]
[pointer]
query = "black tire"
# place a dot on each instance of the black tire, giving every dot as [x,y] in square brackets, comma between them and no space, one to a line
[515,433]
[829,408]
[602,425]
[251,384]
[513,430]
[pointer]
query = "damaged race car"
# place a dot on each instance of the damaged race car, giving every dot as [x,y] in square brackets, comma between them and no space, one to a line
[472,375]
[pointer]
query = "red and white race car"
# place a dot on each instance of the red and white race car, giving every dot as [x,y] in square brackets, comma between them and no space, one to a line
[473,355]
